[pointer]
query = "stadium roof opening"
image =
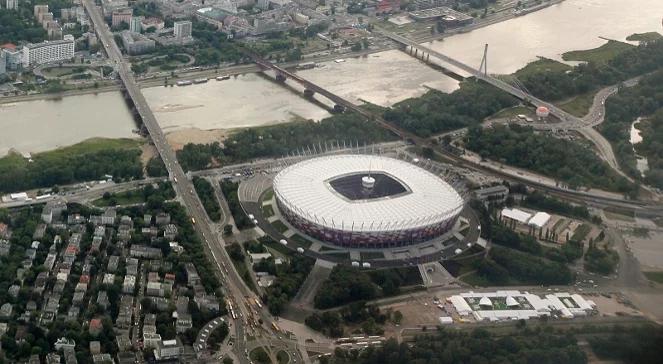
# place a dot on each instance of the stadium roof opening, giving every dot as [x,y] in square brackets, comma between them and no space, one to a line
[351,187]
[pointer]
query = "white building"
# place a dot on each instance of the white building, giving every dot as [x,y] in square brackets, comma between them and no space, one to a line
[182,29]
[46,52]
[514,305]
[12,4]
[168,349]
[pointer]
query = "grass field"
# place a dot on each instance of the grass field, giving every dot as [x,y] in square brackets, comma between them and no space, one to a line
[654,276]
[259,355]
[268,195]
[372,255]
[579,106]
[282,357]
[542,65]
[268,211]
[601,54]
[512,111]
[279,226]
[644,37]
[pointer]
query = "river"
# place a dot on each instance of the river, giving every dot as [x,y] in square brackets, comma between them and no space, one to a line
[383,78]
[570,25]
[36,126]
[641,162]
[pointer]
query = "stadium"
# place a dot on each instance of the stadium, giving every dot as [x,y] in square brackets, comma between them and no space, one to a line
[366,201]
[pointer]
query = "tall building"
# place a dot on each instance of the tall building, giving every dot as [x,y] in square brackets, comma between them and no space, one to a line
[46,52]
[135,43]
[134,25]
[39,9]
[3,63]
[182,29]
[12,4]
[121,16]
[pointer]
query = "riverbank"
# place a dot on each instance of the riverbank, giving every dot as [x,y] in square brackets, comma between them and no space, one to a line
[160,79]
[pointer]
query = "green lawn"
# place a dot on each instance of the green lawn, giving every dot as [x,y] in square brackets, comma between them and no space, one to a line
[581,232]
[268,195]
[579,106]
[601,54]
[475,280]
[259,355]
[644,37]
[268,211]
[372,255]
[542,65]
[513,111]
[654,276]
[305,243]
[279,226]
[282,357]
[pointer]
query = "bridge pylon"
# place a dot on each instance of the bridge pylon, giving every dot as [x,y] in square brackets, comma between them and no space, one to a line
[484,61]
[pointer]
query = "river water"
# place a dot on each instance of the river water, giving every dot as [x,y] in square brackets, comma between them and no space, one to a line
[641,162]
[570,25]
[383,78]
[36,126]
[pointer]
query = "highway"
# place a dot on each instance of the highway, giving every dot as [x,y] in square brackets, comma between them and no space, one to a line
[236,291]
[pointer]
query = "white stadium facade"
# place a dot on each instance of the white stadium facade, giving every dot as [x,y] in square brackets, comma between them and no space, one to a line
[366,201]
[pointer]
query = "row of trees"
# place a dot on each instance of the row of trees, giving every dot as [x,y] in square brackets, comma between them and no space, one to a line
[478,346]
[68,165]
[437,112]
[625,107]
[229,190]
[369,317]
[507,266]
[279,140]
[349,284]
[566,161]
[208,198]
[558,84]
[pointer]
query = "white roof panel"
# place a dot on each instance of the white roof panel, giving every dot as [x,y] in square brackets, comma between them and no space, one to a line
[304,189]
[518,215]
[540,219]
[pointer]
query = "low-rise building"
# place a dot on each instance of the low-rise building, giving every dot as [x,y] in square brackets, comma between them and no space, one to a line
[168,349]
[146,252]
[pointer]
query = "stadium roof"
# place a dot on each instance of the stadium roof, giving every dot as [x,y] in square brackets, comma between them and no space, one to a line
[304,188]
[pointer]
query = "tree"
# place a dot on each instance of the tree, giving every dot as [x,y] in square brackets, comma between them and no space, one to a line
[398,317]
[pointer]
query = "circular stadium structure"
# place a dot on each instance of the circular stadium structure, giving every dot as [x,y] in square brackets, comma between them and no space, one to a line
[366,201]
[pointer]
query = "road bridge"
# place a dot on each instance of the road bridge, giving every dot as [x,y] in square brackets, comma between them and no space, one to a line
[568,121]
[237,291]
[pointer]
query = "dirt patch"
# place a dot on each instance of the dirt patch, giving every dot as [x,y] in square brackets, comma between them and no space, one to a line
[149,151]
[177,139]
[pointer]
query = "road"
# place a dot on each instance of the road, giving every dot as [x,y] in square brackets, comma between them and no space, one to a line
[232,282]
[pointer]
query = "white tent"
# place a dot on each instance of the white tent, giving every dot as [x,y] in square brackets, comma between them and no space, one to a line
[511,302]
[485,301]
